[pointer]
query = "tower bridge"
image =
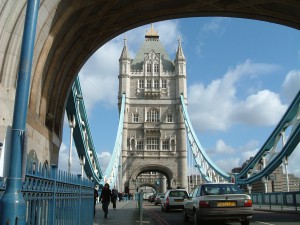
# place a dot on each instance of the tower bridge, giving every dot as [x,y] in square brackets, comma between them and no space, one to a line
[57,39]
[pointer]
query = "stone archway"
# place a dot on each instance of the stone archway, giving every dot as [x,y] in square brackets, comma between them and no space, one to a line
[147,185]
[151,168]
[69,32]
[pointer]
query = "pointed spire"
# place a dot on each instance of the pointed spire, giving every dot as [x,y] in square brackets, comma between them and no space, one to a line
[125,54]
[179,54]
[125,40]
[152,33]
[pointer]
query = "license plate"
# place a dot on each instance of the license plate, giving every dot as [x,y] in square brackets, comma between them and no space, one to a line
[226,204]
[178,200]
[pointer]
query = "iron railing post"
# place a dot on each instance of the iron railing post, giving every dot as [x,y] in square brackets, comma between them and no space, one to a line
[52,205]
[79,177]
[12,203]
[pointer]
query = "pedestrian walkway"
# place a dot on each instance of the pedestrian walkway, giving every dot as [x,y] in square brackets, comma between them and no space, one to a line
[126,213]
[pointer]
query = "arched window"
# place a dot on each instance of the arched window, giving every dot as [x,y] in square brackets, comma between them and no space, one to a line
[173,145]
[152,116]
[132,144]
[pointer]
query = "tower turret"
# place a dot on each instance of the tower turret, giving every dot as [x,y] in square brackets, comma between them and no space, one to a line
[124,71]
[180,71]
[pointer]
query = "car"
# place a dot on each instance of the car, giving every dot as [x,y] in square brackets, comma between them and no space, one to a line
[173,199]
[153,198]
[218,201]
[149,197]
[158,198]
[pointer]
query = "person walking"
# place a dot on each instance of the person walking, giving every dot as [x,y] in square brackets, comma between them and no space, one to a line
[114,197]
[105,199]
[95,199]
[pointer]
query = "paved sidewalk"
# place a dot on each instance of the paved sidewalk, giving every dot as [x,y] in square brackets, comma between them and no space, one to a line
[126,213]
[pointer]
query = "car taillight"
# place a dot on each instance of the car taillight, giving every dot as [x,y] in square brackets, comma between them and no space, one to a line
[204,204]
[167,201]
[248,203]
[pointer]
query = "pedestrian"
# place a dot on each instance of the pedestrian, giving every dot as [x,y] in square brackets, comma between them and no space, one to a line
[126,196]
[105,199]
[95,200]
[120,196]
[114,196]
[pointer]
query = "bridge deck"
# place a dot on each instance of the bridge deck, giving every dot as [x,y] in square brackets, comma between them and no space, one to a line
[126,213]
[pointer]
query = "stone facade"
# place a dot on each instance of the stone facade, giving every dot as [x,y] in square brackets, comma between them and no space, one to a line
[154,137]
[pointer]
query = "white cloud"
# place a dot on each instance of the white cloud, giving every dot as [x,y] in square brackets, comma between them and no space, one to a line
[216,25]
[263,108]
[99,76]
[222,148]
[104,158]
[64,158]
[217,107]
[291,85]
[228,164]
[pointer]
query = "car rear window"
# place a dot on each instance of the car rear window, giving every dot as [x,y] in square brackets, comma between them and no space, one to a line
[220,189]
[178,194]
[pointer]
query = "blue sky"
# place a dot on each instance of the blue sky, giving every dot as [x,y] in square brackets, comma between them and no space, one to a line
[241,76]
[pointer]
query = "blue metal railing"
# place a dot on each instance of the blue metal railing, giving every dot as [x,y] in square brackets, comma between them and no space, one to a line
[114,166]
[290,119]
[212,173]
[82,134]
[277,199]
[84,141]
[56,197]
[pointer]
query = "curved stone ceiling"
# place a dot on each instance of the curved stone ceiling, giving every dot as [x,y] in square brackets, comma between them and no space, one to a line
[69,32]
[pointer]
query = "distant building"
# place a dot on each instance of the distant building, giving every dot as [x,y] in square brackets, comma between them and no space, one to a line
[276,181]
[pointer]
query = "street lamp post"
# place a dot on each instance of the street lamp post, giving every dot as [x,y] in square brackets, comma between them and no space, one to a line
[12,203]
[72,124]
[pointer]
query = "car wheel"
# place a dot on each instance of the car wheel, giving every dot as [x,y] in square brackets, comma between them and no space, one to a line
[166,209]
[245,222]
[185,217]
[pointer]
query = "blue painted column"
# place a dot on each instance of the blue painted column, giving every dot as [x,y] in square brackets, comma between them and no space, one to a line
[12,203]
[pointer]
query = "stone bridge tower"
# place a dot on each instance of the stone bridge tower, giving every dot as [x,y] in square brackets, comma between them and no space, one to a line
[154,137]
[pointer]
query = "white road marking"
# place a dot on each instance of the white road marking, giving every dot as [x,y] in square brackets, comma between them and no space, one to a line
[264,223]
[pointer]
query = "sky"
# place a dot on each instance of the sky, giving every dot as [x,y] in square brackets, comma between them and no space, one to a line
[241,77]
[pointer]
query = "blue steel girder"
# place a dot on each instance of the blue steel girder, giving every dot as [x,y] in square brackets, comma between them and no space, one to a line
[114,166]
[209,170]
[270,154]
[82,135]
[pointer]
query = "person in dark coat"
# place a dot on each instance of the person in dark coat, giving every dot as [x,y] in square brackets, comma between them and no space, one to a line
[105,199]
[95,200]
[114,196]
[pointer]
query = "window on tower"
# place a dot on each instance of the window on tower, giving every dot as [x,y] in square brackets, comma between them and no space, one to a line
[141,83]
[135,118]
[164,83]
[140,145]
[156,68]
[152,116]
[170,118]
[152,143]
[148,68]
[165,145]
[149,83]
